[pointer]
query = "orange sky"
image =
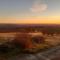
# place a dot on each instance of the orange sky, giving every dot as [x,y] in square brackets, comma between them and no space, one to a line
[33,20]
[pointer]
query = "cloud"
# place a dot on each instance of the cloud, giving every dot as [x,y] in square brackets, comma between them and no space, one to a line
[38,7]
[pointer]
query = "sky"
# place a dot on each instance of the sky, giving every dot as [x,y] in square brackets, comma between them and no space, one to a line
[30,11]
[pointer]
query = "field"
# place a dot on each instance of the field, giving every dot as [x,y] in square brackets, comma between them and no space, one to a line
[26,42]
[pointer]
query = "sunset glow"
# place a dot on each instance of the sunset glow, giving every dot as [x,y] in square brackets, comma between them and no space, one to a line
[30,11]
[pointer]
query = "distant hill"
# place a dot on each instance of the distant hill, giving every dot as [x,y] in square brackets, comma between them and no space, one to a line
[27,25]
[18,27]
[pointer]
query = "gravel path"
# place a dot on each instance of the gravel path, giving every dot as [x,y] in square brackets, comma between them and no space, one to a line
[49,54]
